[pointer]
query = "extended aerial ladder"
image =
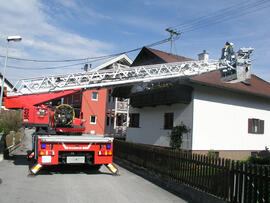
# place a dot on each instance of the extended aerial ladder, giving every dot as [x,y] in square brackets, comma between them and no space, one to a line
[238,70]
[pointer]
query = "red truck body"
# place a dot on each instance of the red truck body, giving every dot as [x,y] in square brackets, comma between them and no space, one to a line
[85,149]
[59,137]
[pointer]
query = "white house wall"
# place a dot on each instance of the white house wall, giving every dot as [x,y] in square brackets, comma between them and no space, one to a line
[152,122]
[220,120]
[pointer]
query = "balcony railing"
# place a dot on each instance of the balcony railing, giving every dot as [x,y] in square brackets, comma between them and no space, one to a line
[122,106]
[162,96]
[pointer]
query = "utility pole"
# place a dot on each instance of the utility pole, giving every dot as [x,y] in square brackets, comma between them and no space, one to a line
[172,33]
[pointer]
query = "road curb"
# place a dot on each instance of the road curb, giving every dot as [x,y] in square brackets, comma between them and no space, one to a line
[183,191]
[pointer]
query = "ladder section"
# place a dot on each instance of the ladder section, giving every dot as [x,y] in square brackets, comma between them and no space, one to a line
[119,75]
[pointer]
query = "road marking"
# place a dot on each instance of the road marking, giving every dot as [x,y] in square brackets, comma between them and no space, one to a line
[1,157]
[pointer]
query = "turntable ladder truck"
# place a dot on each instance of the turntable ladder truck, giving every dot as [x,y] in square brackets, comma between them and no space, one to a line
[59,137]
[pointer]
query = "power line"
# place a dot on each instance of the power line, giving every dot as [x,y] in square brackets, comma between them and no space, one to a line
[224,19]
[44,68]
[189,22]
[172,38]
[89,58]
[222,15]
[234,10]
[206,17]
[52,67]
[95,59]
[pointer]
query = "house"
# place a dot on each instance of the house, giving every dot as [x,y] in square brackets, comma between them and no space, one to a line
[98,106]
[230,118]
[7,87]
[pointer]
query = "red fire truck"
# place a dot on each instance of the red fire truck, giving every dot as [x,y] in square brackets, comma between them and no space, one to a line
[59,137]
[59,134]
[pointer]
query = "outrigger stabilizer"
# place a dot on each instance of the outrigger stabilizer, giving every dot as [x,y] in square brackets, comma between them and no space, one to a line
[37,167]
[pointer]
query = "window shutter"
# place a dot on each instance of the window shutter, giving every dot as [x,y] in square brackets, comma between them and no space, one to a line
[261,126]
[250,125]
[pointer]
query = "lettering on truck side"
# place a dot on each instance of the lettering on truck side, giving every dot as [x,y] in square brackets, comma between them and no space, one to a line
[65,147]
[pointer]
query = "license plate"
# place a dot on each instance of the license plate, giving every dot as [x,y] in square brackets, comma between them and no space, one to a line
[46,159]
[75,159]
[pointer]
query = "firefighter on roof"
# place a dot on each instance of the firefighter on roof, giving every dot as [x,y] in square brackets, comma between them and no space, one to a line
[228,53]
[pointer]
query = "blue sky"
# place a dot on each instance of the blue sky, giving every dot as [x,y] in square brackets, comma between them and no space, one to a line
[68,29]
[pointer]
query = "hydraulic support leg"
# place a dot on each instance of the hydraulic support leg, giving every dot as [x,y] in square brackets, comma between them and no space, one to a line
[112,168]
[36,168]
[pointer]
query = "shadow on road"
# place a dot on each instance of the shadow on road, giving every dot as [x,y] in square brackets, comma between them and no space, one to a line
[71,169]
[19,157]
[56,169]
[18,160]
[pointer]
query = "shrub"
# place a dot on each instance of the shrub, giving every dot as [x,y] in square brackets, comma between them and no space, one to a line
[212,154]
[262,158]
[10,121]
[177,134]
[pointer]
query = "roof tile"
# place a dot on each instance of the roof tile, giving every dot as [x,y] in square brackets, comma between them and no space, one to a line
[170,58]
[257,85]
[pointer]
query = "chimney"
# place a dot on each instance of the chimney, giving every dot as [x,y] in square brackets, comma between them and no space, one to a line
[203,56]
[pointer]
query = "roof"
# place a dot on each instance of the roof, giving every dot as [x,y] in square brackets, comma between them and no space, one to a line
[257,86]
[149,56]
[169,58]
[6,81]
[123,59]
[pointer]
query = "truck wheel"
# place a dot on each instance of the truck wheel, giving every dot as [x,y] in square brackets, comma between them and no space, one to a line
[3,147]
[96,167]
[6,154]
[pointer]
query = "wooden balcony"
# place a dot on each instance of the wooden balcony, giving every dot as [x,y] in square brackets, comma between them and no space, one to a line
[162,96]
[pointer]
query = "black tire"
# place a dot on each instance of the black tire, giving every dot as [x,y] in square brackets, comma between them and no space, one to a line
[3,147]
[6,154]
[96,167]
[2,144]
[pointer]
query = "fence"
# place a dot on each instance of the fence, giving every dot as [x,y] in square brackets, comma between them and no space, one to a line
[13,139]
[229,180]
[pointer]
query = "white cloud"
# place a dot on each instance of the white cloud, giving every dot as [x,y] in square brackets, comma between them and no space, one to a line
[32,24]
[41,38]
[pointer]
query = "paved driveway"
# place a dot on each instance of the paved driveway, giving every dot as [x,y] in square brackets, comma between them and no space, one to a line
[73,184]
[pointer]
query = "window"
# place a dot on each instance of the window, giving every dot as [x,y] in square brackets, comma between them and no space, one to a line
[109,95]
[93,119]
[108,120]
[112,121]
[94,96]
[109,98]
[168,120]
[134,120]
[255,126]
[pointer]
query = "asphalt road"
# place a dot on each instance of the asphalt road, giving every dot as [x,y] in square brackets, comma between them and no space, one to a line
[73,184]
